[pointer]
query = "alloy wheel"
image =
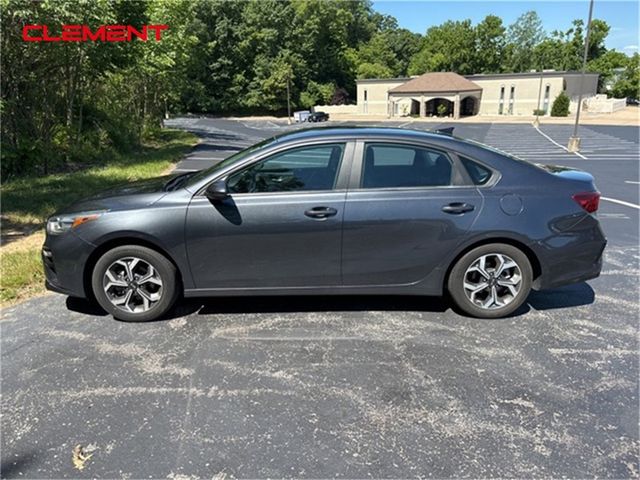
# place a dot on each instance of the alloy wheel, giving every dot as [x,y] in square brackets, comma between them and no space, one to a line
[492,281]
[132,284]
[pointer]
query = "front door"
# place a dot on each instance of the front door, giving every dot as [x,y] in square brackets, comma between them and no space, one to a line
[405,214]
[280,228]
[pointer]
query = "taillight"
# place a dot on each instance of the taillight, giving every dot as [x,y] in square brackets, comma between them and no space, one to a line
[589,201]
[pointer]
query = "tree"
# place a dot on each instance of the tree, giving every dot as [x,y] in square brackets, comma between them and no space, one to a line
[317,94]
[375,58]
[560,107]
[404,44]
[608,65]
[490,43]
[523,35]
[447,47]
[628,85]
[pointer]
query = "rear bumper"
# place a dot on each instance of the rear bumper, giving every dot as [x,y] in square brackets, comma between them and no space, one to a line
[571,257]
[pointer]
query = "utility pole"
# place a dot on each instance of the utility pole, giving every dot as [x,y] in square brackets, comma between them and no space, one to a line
[536,122]
[288,97]
[574,140]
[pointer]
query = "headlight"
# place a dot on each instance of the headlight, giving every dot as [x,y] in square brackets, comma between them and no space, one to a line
[63,223]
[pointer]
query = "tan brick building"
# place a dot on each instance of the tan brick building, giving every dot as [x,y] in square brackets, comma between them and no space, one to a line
[456,96]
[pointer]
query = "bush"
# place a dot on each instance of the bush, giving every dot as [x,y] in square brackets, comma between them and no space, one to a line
[539,111]
[560,106]
[441,109]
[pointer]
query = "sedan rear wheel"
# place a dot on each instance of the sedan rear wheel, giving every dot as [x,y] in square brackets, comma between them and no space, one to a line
[491,281]
[134,283]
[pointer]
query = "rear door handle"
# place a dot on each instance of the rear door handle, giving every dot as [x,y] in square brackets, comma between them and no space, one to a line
[457,208]
[321,213]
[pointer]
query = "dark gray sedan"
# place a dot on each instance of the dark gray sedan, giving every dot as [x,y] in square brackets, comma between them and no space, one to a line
[334,211]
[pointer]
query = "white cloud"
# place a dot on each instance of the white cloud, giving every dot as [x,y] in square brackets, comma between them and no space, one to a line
[631,47]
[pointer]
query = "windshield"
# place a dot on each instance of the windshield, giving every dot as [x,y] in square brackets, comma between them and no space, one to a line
[228,161]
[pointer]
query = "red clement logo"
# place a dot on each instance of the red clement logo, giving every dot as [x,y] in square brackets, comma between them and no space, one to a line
[83,33]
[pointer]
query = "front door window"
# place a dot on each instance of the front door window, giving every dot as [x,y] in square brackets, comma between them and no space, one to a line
[312,168]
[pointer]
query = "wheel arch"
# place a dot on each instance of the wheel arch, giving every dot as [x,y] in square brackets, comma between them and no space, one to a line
[536,266]
[121,241]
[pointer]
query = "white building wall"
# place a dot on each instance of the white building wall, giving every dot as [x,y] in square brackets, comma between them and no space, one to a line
[372,95]
[525,95]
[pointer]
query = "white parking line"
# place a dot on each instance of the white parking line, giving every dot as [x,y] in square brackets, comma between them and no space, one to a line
[633,183]
[620,202]
[556,143]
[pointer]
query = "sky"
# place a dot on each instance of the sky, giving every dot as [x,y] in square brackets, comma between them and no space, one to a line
[622,16]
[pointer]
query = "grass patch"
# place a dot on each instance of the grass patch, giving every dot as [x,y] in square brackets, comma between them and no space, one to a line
[21,269]
[27,202]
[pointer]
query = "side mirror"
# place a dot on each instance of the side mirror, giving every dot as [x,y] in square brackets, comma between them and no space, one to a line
[217,191]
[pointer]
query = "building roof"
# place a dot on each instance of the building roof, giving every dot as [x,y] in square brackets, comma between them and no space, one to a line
[484,76]
[437,82]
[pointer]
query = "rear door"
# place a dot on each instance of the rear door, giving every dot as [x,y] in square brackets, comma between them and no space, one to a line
[408,205]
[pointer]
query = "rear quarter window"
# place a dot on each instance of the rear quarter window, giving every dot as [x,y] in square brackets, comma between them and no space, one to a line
[479,174]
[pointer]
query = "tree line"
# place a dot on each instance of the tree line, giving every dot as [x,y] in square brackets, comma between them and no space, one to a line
[65,104]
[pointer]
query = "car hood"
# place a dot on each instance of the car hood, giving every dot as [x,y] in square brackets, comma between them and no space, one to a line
[122,197]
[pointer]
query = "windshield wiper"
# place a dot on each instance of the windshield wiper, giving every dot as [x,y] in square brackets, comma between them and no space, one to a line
[175,182]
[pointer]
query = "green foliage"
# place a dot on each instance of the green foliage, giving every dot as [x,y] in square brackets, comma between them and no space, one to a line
[72,105]
[539,111]
[450,47]
[628,85]
[317,94]
[608,65]
[560,107]
[490,44]
[441,110]
[523,35]
[30,200]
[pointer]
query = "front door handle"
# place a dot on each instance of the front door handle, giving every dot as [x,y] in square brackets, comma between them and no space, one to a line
[457,208]
[321,213]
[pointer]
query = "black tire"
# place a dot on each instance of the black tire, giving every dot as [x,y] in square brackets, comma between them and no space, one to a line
[455,284]
[163,269]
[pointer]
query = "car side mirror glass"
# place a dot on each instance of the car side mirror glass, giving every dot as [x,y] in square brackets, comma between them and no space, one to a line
[217,191]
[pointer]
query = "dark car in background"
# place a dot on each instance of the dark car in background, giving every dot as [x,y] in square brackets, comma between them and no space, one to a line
[318,117]
[334,211]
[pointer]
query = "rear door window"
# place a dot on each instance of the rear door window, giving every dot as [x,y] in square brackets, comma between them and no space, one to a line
[395,166]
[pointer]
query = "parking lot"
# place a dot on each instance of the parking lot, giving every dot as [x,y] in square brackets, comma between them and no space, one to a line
[350,387]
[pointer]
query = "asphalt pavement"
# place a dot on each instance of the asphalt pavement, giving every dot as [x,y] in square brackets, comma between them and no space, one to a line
[347,387]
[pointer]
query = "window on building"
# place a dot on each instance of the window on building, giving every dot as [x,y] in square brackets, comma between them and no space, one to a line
[501,102]
[395,166]
[547,93]
[512,95]
[365,95]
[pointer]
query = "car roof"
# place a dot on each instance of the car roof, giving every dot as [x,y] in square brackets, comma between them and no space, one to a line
[360,132]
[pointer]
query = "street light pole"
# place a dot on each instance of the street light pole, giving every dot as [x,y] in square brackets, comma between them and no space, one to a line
[574,141]
[288,99]
[536,122]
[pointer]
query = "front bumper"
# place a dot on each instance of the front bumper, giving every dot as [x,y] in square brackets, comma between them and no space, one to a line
[64,258]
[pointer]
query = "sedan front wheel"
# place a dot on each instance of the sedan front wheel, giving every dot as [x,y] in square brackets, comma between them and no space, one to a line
[491,281]
[135,283]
